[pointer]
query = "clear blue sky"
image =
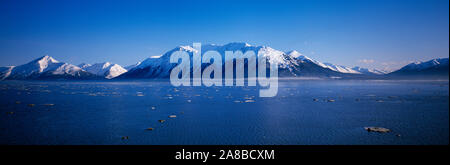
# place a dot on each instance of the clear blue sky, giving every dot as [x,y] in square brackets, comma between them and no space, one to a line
[374,34]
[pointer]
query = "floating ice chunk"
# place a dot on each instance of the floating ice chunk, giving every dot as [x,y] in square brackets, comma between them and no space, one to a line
[377,129]
[139,94]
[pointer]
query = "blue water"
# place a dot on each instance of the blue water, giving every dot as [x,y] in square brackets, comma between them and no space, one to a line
[102,112]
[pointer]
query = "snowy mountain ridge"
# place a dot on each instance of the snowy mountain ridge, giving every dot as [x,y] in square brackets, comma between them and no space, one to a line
[45,65]
[290,64]
[369,71]
[43,68]
[420,65]
[106,69]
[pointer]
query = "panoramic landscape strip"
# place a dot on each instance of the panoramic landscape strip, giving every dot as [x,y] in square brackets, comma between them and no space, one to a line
[207,81]
[290,64]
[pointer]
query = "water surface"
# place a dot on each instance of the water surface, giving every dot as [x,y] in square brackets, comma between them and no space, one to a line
[305,112]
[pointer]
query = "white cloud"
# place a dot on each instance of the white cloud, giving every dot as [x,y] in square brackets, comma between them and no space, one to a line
[366,61]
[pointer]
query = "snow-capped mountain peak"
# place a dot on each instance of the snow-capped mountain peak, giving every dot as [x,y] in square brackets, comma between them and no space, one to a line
[44,62]
[186,48]
[45,67]
[83,65]
[307,59]
[45,59]
[236,45]
[275,56]
[106,69]
[340,68]
[427,64]
[293,53]
[291,63]
[106,64]
[159,60]
[66,68]
[369,71]
[435,68]
[115,70]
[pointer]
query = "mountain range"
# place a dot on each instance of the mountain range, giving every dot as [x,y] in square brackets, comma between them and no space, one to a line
[45,67]
[290,64]
[106,69]
[432,69]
